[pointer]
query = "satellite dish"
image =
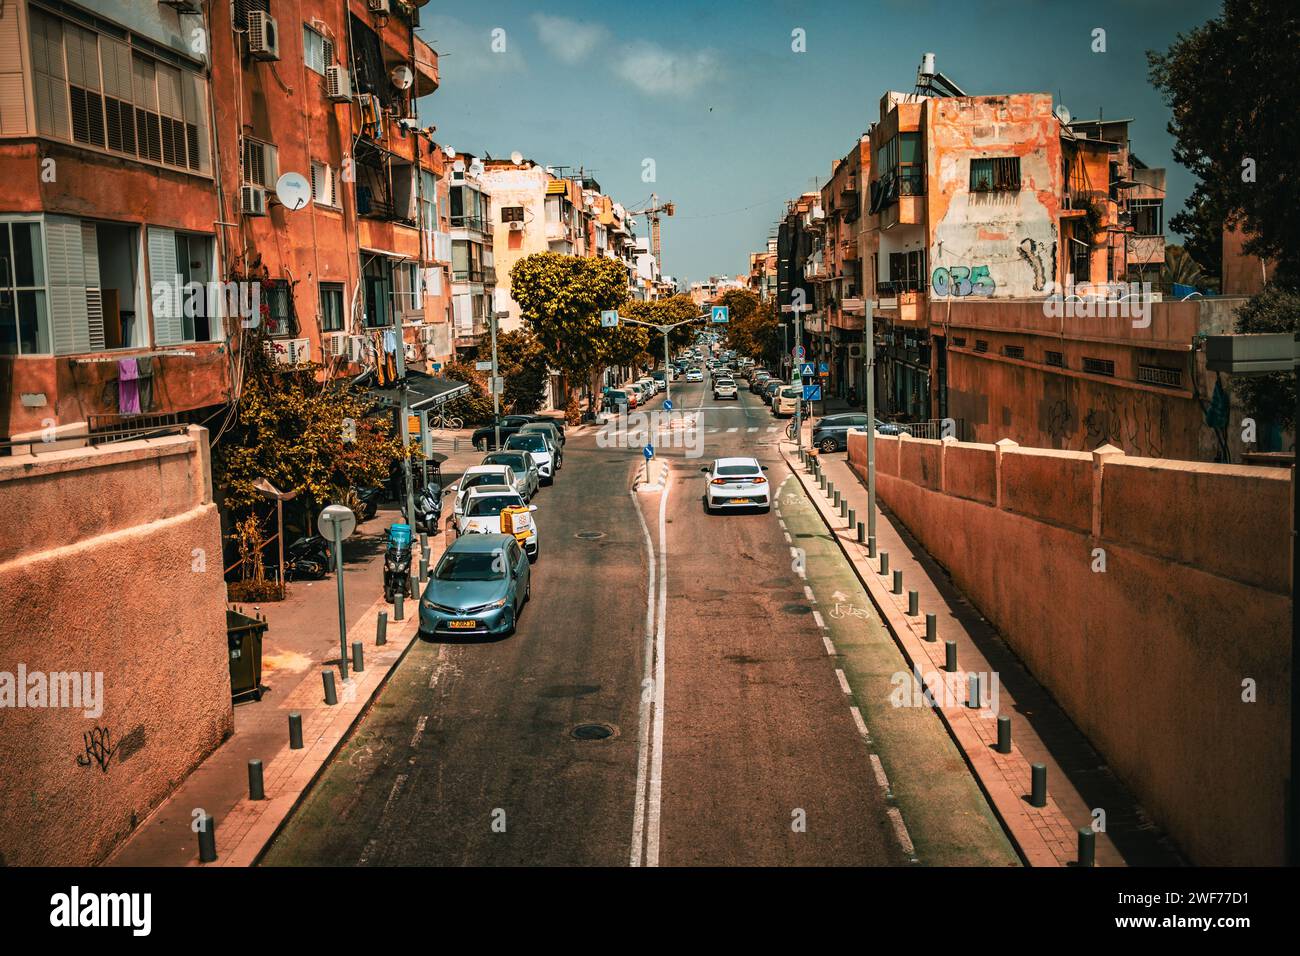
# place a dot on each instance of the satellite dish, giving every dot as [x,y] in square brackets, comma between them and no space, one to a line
[293,190]
[1062,114]
[476,168]
[458,166]
[402,76]
[516,157]
[449,152]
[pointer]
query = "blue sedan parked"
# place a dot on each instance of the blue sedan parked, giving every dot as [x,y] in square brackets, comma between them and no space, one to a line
[479,587]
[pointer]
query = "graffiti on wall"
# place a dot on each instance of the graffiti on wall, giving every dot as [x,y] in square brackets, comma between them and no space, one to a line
[1031,251]
[961,281]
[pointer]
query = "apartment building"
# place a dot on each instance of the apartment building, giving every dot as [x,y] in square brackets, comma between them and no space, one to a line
[762,271]
[796,233]
[146,150]
[473,267]
[837,271]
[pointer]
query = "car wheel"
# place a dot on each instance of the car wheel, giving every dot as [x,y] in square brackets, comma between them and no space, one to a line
[708,509]
[514,619]
[532,558]
[828,445]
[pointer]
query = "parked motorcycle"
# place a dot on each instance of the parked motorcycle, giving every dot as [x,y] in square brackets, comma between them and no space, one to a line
[397,564]
[428,508]
[307,557]
[369,499]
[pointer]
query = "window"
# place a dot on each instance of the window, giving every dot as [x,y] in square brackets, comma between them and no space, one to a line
[331,307]
[1013,351]
[902,170]
[180,310]
[377,283]
[1160,375]
[1054,358]
[278,298]
[105,93]
[317,50]
[907,271]
[999,174]
[409,295]
[1096,366]
[24,316]
[261,163]
[981,345]
[1148,217]
[324,185]
[512,213]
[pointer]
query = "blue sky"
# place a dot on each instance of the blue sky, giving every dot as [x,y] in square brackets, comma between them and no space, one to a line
[736,121]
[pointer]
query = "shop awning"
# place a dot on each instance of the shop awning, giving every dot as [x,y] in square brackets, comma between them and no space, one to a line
[424,392]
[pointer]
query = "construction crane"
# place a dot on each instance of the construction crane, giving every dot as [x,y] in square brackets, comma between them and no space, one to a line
[651,213]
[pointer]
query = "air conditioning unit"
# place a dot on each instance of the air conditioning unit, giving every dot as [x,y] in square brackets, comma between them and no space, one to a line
[378,6]
[855,351]
[289,351]
[412,353]
[263,35]
[337,345]
[516,227]
[252,200]
[338,84]
[356,348]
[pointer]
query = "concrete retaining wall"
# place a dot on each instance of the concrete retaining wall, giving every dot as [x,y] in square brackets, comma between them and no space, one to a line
[110,564]
[1149,656]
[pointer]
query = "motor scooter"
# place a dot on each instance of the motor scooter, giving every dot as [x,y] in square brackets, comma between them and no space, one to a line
[307,557]
[397,563]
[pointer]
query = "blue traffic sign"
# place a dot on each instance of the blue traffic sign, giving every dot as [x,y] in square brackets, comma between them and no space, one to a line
[806,370]
[668,404]
[812,393]
[824,369]
[798,353]
[648,451]
[609,318]
[721,314]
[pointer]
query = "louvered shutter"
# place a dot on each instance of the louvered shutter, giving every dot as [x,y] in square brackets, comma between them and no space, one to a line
[94,297]
[49,80]
[13,101]
[67,285]
[165,282]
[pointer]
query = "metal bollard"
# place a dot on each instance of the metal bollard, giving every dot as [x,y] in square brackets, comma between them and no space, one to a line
[424,568]
[381,630]
[1004,735]
[358,657]
[871,546]
[331,697]
[844,506]
[1038,791]
[295,730]
[884,562]
[898,582]
[853,518]
[1087,847]
[973,691]
[862,533]
[913,603]
[207,839]
[424,541]
[931,626]
[398,605]
[950,656]
[256,784]
[830,489]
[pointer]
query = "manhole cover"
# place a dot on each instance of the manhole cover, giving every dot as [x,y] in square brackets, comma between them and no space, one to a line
[589,535]
[796,609]
[592,731]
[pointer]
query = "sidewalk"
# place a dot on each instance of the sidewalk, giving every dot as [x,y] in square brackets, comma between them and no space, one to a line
[302,641]
[1077,780]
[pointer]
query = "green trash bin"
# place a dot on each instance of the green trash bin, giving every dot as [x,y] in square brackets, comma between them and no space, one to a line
[244,637]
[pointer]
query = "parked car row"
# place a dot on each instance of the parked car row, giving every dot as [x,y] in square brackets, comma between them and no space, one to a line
[481,583]
[485,439]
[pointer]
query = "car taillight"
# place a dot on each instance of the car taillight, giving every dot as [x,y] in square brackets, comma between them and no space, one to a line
[720,481]
[759,480]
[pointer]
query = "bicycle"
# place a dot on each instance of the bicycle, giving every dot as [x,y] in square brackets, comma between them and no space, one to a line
[446,421]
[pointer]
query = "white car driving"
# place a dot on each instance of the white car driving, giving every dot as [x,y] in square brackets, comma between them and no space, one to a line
[725,388]
[540,446]
[499,509]
[486,475]
[736,483]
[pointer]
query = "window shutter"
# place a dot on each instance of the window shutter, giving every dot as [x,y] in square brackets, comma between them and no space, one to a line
[165,281]
[67,284]
[94,298]
[13,107]
[49,79]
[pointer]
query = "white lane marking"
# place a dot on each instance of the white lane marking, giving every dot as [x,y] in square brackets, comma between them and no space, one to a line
[752,430]
[392,795]
[857,719]
[654,810]
[771,428]
[788,539]
[878,769]
[807,592]
[647,697]
[817,619]
[844,681]
[900,831]
[419,731]
[826,642]
[732,429]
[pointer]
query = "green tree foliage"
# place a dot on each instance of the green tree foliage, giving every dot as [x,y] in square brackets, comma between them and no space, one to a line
[670,311]
[301,434]
[561,298]
[752,328]
[1236,126]
[476,407]
[1269,398]
[522,364]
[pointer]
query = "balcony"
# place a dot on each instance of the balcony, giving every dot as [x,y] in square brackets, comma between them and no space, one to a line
[426,68]
[483,274]
[477,223]
[1145,250]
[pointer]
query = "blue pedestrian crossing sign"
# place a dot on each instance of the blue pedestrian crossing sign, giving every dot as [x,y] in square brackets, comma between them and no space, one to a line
[721,314]
[812,393]
[648,451]
[806,370]
[609,318]
[668,404]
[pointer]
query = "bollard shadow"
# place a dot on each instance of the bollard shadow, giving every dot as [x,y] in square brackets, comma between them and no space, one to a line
[428,638]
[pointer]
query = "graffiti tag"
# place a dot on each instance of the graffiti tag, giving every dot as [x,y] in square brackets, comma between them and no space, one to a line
[99,750]
[962,281]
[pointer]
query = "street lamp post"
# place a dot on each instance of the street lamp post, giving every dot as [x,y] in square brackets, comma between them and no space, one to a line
[496,392]
[869,372]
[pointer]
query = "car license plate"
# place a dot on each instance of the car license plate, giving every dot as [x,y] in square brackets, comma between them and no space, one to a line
[463,625]
[741,501]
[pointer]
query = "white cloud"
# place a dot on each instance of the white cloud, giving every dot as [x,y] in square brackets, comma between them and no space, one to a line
[468,53]
[569,40]
[659,71]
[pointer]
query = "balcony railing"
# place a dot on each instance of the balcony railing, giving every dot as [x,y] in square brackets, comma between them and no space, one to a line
[470,222]
[485,274]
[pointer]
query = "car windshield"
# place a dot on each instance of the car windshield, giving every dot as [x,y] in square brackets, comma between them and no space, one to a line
[470,566]
[789,393]
[528,441]
[731,471]
[483,478]
[515,461]
[491,505]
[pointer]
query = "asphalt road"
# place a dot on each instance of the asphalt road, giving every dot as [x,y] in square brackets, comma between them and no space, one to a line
[731,743]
